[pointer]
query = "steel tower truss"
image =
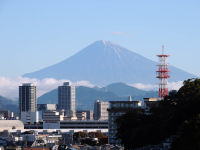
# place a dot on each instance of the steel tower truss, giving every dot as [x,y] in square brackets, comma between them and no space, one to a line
[163,74]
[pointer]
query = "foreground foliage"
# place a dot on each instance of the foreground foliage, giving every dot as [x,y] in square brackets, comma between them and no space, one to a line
[86,138]
[178,114]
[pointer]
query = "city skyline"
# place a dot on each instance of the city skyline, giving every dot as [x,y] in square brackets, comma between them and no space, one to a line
[50,32]
[96,74]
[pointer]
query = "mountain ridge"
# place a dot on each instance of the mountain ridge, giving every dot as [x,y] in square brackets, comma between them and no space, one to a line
[7,104]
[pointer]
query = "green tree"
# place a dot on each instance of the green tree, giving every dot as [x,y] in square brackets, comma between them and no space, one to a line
[189,135]
[136,129]
[78,135]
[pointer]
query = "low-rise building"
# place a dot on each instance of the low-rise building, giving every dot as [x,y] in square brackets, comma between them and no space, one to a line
[81,115]
[51,119]
[149,103]
[84,124]
[11,124]
[89,114]
[45,107]
[100,110]
[76,125]
[28,116]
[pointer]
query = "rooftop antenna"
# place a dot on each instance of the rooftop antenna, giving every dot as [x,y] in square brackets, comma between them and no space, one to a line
[130,98]
[163,49]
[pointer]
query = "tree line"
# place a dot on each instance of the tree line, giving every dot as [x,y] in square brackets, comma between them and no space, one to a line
[178,115]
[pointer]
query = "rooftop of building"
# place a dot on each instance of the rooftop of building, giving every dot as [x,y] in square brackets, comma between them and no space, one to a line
[127,102]
[85,121]
[150,99]
[27,84]
[11,123]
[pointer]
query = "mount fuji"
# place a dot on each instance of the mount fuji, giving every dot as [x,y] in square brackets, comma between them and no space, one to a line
[104,62]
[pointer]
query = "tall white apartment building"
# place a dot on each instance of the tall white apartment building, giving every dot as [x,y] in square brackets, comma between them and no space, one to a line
[100,110]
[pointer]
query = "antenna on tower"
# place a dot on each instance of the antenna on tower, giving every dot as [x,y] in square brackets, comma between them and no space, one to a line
[163,49]
[163,74]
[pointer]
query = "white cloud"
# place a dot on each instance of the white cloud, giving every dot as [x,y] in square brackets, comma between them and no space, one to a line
[84,83]
[9,86]
[145,87]
[175,85]
[154,87]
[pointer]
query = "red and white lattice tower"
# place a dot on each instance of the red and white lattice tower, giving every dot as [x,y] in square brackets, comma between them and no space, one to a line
[163,74]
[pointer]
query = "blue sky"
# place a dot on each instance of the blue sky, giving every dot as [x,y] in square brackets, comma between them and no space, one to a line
[38,33]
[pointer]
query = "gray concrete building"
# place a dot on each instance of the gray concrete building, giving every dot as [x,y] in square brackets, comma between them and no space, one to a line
[28,103]
[51,119]
[89,114]
[100,110]
[44,107]
[27,98]
[66,99]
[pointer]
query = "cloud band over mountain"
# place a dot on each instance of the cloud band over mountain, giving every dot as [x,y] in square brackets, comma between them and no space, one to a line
[9,86]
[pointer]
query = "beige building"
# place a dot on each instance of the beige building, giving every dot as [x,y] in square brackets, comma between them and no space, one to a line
[51,119]
[10,125]
[100,110]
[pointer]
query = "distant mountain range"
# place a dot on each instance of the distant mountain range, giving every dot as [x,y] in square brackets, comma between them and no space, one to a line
[85,96]
[103,63]
[7,104]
